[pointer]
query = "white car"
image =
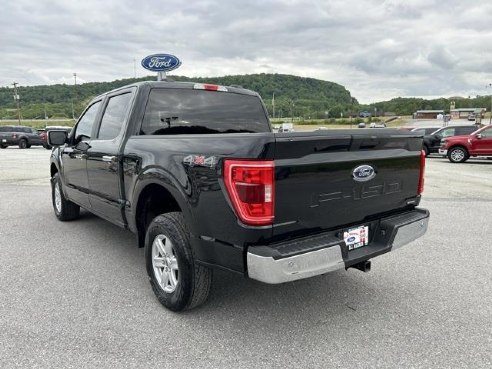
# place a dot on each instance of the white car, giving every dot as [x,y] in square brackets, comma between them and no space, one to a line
[377,125]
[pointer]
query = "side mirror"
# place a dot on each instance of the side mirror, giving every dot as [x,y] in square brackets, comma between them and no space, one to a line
[438,136]
[479,136]
[57,138]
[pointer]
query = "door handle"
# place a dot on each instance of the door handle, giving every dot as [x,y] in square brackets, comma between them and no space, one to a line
[108,158]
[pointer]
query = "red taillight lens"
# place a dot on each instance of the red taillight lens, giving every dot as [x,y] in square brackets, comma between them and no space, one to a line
[14,136]
[251,188]
[209,87]
[420,189]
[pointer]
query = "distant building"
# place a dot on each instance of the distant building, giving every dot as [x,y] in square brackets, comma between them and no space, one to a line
[462,113]
[427,114]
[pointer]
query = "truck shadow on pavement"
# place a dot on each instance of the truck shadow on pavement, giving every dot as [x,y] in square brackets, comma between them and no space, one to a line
[340,293]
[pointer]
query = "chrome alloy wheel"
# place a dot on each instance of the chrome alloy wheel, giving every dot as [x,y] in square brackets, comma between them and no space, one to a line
[58,198]
[457,155]
[164,263]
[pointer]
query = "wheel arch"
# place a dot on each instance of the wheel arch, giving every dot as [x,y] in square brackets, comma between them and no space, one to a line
[151,200]
[53,170]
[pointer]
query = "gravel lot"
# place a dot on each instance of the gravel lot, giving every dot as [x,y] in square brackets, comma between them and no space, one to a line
[76,295]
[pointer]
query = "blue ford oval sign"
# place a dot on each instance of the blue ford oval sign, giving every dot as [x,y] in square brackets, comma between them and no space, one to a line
[363,173]
[161,62]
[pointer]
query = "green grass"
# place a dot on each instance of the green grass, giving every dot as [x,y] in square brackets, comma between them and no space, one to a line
[38,123]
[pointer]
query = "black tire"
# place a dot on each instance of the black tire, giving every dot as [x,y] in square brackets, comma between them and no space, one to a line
[192,282]
[3,146]
[28,146]
[47,147]
[458,154]
[22,143]
[65,210]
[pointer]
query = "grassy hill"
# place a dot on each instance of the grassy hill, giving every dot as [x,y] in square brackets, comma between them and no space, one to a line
[297,96]
[304,98]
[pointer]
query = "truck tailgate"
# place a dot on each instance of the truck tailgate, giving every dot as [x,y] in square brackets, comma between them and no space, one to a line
[315,184]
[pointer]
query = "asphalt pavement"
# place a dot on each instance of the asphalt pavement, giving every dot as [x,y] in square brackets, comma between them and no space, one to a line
[76,294]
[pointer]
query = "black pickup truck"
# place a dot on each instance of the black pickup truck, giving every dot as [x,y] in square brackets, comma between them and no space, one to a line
[195,171]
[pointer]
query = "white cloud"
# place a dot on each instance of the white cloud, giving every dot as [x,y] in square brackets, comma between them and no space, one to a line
[377,49]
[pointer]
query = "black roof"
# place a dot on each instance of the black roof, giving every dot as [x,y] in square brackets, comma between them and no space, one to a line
[173,84]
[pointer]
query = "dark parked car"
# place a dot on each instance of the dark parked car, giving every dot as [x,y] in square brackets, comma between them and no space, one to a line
[21,136]
[365,114]
[432,142]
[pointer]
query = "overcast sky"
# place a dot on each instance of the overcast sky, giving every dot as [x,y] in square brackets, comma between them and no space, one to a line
[377,49]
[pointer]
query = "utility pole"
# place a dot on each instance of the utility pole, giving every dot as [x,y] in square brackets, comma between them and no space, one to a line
[74,95]
[273,105]
[490,117]
[17,98]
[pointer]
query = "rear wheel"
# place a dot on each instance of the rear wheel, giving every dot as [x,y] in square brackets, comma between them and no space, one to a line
[458,155]
[22,143]
[64,209]
[3,146]
[177,281]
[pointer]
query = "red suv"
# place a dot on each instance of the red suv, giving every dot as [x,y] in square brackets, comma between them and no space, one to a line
[458,149]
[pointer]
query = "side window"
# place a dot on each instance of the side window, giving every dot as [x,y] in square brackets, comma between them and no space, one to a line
[487,133]
[465,131]
[84,127]
[114,116]
[447,132]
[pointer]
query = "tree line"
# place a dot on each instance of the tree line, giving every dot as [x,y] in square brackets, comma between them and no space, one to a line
[284,96]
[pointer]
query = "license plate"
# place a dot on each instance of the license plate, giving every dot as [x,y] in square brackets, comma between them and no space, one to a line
[4,140]
[356,237]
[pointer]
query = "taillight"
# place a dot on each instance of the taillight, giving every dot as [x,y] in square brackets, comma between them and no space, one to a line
[251,188]
[420,189]
[14,136]
[209,87]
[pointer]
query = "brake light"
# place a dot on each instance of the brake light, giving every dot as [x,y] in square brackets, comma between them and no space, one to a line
[251,188]
[420,189]
[209,87]
[14,135]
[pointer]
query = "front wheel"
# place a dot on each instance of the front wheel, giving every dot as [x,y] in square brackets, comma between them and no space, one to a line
[177,281]
[64,209]
[458,155]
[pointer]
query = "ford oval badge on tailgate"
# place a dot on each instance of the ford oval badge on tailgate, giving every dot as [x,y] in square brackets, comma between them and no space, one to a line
[363,173]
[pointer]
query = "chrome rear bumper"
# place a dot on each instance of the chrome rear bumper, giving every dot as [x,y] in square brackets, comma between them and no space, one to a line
[392,233]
